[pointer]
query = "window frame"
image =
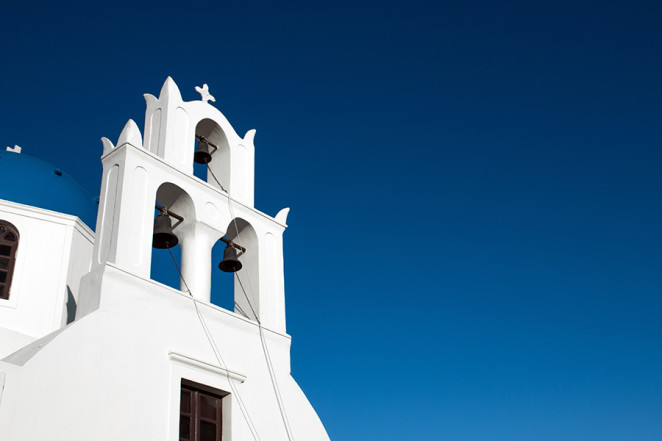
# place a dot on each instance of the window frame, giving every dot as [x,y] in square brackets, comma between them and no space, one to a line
[197,393]
[7,228]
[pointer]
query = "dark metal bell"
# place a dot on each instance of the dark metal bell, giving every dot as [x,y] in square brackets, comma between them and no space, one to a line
[230,263]
[202,155]
[163,236]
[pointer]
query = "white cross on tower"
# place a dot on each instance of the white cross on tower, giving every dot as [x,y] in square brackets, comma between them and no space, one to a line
[204,93]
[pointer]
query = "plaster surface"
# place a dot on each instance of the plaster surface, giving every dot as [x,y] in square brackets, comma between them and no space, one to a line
[92,348]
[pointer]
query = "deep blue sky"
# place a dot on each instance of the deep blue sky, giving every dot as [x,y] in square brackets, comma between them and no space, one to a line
[475,242]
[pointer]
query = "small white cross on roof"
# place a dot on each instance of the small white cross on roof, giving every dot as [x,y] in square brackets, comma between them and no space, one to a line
[204,93]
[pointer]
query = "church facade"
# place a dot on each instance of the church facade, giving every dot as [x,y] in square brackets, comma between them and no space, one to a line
[91,348]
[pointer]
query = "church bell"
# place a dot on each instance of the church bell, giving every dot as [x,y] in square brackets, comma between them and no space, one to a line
[202,155]
[163,236]
[230,262]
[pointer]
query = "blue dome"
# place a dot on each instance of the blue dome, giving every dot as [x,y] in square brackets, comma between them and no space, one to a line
[31,181]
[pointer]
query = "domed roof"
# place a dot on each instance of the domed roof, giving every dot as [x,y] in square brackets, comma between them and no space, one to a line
[31,181]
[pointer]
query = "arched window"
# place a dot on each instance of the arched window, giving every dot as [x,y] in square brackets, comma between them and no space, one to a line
[8,247]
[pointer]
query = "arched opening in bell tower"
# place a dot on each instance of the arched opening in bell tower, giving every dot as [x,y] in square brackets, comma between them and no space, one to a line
[173,213]
[212,152]
[237,291]
[222,283]
[246,280]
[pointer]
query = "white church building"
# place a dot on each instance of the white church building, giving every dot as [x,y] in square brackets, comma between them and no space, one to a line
[91,348]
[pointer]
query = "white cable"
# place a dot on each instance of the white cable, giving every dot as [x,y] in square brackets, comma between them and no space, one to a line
[218,355]
[265,350]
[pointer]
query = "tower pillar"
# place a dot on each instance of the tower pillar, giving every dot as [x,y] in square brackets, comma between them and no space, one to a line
[196,242]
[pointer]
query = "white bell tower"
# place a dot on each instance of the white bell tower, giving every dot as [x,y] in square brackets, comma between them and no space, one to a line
[139,173]
[166,363]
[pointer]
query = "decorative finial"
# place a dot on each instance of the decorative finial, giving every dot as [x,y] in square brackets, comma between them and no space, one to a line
[170,91]
[281,217]
[16,149]
[204,93]
[130,135]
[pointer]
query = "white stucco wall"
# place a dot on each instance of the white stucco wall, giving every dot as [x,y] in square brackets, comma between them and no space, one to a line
[116,373]
[54,251]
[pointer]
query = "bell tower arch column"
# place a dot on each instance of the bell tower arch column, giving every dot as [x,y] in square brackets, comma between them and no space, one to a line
[124,223]
[197,241]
